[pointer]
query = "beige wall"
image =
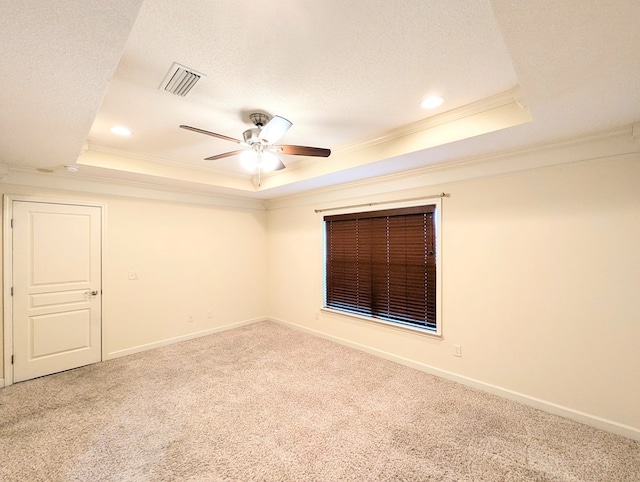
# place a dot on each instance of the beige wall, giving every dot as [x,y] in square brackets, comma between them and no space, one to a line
[191,259]
[541,285]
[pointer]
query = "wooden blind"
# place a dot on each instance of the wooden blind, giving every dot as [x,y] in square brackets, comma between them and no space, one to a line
[382,264]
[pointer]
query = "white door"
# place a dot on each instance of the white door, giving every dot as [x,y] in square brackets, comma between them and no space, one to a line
[56,287]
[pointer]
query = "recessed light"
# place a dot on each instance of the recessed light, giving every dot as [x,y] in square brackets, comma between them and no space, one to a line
[432,102]
[71,168]
[120,131]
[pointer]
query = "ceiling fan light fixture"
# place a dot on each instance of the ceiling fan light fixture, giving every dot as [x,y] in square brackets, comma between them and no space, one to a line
[259,143]
[249,160]
[269,162]
[274,130]
[253,160]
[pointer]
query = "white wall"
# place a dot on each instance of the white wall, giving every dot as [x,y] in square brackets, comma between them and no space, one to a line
[541,284]
[192,258]
[541,274]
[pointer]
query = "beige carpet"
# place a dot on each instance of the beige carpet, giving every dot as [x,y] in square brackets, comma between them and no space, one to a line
[268,403]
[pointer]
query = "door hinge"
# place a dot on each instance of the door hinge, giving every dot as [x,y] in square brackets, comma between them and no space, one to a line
[12,224]
[12,291]
[12,359]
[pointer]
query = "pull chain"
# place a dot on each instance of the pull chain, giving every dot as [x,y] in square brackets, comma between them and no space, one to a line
[259,165]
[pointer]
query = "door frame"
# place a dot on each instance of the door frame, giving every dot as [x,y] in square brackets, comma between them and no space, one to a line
[7,280]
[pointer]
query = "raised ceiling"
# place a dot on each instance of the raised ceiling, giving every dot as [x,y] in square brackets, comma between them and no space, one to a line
[349,75]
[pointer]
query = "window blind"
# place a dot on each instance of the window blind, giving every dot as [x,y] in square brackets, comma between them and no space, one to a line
[382,264]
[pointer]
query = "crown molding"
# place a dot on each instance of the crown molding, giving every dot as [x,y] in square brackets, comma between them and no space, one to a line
[614,144]
[620,143]
[160,161]
[488,104]
[117,165]
[20,177]
[510,97]
[483,117]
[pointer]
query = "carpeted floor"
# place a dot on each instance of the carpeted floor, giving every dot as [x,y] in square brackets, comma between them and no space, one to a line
[268,403]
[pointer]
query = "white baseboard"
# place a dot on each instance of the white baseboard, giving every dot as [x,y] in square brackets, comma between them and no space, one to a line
[178,339]
[566,412]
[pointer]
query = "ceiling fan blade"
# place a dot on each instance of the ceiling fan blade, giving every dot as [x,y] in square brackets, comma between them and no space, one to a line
[304,151]
[212,134]
[222,156]
[274,129]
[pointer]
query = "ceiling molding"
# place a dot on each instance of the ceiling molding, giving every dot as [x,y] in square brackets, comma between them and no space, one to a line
[25,177]
[513,96]
[620,143]
[117,162]
[483,117]
[613,144]
[158,160]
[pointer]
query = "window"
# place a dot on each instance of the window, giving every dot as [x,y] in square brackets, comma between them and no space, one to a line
[382,265]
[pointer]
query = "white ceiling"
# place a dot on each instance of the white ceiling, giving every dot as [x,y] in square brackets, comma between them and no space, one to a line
[349,75]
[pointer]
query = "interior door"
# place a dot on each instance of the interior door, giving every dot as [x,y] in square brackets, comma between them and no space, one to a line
[56,287]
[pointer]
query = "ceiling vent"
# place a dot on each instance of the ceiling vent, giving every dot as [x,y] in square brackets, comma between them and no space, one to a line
[180,80]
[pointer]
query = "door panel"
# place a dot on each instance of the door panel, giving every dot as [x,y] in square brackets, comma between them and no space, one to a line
[57,287]
[60,333]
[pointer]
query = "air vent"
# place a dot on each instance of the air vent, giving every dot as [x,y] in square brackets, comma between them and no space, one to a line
[180,80]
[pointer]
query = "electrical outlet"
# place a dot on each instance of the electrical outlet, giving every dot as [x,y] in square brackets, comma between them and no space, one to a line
[189,318]
[209,314]
[133,275]
[457,350]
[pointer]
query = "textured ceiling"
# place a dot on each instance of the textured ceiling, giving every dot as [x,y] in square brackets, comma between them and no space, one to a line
[349,75]
[57,59]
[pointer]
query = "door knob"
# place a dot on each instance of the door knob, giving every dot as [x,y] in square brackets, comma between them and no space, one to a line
[91,293]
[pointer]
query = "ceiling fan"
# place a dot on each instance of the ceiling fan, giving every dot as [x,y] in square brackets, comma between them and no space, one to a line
[260,144]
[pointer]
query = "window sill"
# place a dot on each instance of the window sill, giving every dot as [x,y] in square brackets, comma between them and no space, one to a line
[420,331]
